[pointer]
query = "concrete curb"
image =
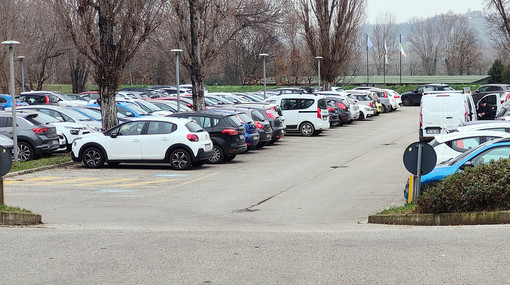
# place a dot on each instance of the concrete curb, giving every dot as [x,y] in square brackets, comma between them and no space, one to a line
[449,219]
[19,219]
[21,172]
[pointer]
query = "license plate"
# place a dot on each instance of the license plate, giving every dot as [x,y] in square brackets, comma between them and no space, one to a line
[56,142]
[208,146]
[433,131]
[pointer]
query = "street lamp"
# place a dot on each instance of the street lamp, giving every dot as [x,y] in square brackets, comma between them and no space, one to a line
[21,58]
[131,77]
[11,45]
[177,51]
[319,69]
[264,55]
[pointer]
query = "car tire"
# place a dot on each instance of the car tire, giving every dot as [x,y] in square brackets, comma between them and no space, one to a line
[384,109]
[25,151]
[180,159]
[306,129]
[361,116]
[230,157]
[218,155]
[406,101]
[93,157]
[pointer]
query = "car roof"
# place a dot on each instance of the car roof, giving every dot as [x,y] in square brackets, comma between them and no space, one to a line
[458,135]
[206,112]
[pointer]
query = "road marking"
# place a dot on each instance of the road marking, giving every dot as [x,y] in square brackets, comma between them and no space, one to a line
[188,182]
[62,181]
[31,179]
[115,191]
[145,182]
[105,182]
[170,175]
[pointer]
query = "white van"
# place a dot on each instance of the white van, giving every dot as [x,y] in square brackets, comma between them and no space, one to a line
[440,113]
[305,113]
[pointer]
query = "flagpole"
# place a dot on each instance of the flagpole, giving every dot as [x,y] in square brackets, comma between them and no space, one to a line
[400,60]
[368,81]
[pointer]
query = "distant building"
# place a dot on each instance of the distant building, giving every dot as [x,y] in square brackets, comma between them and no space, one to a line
[474,14]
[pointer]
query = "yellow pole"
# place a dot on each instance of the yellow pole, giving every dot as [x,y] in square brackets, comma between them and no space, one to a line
[411,187]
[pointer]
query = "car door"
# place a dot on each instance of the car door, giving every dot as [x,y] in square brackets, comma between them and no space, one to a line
[492,154]
[495,102]
[125,143]
[289,108]
[158,138]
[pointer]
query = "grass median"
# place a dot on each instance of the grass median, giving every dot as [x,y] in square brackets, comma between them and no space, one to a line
[56,159]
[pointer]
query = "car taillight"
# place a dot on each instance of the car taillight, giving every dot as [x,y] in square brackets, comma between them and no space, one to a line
[331,109]
[370,104]
[47,99]
[385,95]
[192,137]
[421,115]
[319,115]
[396,96]
[341,106]
[259,125]
[40,130]
[269,114]
[230,132]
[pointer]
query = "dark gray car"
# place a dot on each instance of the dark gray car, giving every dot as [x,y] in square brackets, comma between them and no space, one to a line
[33,139]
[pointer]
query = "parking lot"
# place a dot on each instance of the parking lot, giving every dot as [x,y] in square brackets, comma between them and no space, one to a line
[290,213]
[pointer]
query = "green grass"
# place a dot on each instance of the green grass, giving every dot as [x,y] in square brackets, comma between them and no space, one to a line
[5,208]
[406,209]
[44,161]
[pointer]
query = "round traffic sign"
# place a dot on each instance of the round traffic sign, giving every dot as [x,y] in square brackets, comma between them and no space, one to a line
[428,158]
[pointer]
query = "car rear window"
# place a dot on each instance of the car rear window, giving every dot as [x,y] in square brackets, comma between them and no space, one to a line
[194,127]
[257,116]
[245,118]
[321,103]
[233,121]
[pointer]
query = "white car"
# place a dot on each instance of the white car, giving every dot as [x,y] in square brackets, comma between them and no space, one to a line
[180,142]
[65,114]
[397,102]
[451,145]
[67,131]
[487,125]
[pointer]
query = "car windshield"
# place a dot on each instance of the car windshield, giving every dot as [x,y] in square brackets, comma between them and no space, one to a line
[91,113]
[135,108]
[98,111]
[147,106]
[235,122]
[77,115]
[467,153]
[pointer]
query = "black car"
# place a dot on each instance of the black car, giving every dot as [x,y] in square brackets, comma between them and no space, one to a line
[263,125]
[39,98]
[273,115]
[226,131]
[33,139]
[414,97]
[341,108]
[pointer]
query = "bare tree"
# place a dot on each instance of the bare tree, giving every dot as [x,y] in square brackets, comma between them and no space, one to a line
[385,42]
[202,28]
[498,19]
[7,32]
[109,33]
[426,42]
[330,29]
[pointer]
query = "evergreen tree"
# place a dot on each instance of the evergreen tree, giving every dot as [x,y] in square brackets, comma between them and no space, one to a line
[496,72]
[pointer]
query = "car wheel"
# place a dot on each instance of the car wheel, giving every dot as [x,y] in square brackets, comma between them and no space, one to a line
[406,101]
[93,158]
[361,116]
[306,129]
[230,157]
[25,151]
[384,109]
[180,159]
[218,155]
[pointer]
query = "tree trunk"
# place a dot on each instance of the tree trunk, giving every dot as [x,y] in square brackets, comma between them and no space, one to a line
[197,78]
[108,106]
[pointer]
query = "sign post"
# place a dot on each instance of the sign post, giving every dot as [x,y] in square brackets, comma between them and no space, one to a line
[419,159]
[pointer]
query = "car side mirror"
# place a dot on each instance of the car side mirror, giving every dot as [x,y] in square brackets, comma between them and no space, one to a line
[114,134]
[467,164]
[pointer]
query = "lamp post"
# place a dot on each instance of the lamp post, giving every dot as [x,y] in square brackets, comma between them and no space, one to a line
[131,77]
[319,69]
[11,45]
[264,55]
[177,82]
[21,58]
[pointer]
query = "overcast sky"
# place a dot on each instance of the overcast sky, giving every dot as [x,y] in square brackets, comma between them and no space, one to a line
[404,10]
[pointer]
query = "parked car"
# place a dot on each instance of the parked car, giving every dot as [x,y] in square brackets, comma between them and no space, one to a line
[484,153]
[67,131]
[486,125]
[90,95]
[127,109]
[226,131]
[38,98]
[150,108]
[451,145]
[384,99]
[340,104]
[251,134]
[502,89]
[180,142]
[33,139]
[170,106]
[65,114]
[305,113]
[366,105]
[414,97]
[263,126]
[6,102]
[270,113]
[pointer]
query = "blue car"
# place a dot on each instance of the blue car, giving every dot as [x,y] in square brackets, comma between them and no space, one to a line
[6,102]
[484,153]
[251,134]
[127,109]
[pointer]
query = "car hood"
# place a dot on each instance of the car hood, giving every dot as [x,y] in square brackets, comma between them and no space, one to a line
[438,173]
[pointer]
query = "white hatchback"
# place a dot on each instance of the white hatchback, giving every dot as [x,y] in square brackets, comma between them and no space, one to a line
[181,142]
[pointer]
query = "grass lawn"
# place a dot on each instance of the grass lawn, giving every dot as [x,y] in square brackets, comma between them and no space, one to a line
[406,209]
[55,159]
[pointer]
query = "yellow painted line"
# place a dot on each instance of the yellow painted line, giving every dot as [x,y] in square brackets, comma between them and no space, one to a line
[188,182]
[145,182]
[62,181]
[31,179]
[105,182]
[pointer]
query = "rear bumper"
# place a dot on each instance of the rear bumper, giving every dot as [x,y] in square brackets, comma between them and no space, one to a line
[203,155]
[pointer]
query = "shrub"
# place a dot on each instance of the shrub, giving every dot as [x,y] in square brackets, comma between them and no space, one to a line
[482,188]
